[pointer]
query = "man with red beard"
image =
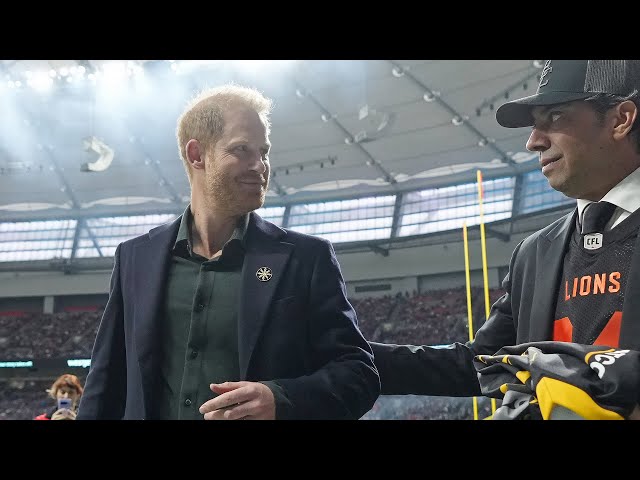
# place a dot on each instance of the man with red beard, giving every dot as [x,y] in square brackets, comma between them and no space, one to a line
[221,315]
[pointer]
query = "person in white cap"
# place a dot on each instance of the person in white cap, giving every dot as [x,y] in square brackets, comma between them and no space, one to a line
[578,279]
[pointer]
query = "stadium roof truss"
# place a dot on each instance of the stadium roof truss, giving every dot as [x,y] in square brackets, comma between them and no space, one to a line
[88,149]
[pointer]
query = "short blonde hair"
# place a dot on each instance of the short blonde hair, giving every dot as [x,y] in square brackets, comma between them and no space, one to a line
[203,119]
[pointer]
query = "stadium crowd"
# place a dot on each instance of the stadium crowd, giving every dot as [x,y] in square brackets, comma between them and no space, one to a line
[434,317]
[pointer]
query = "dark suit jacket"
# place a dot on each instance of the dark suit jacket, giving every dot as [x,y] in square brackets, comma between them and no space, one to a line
[525,313]
[297,329]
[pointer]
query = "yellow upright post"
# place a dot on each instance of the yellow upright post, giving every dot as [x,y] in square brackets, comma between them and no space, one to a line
[484,262]
[469,314]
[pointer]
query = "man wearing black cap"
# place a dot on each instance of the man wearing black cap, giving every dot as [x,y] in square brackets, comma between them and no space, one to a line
[578,279]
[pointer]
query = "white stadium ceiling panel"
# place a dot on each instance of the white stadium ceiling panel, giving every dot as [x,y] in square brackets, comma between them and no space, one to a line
[377,121]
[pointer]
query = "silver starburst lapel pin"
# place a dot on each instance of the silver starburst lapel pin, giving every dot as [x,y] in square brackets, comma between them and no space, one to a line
[264,274]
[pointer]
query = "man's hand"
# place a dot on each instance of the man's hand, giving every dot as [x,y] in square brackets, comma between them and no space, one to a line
[240,401]
[63,414]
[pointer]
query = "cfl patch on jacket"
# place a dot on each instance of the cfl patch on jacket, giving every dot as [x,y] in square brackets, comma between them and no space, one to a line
[552,380]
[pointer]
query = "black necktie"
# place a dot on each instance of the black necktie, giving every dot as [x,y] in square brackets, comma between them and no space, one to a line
[596,216]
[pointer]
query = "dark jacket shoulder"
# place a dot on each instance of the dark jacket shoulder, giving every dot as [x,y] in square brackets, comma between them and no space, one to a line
[549,232]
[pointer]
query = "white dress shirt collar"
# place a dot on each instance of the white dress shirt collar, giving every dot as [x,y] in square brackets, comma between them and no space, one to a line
[625,195]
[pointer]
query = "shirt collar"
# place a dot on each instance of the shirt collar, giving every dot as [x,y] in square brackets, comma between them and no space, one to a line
[625,195]
[184,238]
[241,229]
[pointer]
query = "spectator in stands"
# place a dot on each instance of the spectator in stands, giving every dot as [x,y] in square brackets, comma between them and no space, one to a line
[566,282]
[222,315]
[66,392]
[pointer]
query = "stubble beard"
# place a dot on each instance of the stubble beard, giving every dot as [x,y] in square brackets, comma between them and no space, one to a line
[220,195]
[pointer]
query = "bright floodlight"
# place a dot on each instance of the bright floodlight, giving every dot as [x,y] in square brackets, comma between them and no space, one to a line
[40,81]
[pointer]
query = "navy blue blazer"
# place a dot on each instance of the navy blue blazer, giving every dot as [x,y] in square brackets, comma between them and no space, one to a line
[298,329]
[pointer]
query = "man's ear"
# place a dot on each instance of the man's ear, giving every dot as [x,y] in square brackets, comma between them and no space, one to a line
[626,113]
[195,154]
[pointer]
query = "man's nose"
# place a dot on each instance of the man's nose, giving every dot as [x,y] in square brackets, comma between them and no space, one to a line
[258,164]
[537,141]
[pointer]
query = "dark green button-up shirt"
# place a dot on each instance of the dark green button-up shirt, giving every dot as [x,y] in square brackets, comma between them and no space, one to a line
[199,332]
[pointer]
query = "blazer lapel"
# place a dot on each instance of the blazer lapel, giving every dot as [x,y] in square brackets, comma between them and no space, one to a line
[549,264]
[267,255]
[150,263]
[630,328]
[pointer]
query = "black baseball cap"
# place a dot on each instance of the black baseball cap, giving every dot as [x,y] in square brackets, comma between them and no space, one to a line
[568,80]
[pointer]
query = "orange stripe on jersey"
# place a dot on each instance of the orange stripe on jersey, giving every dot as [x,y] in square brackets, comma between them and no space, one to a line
[610,335]
[562,330]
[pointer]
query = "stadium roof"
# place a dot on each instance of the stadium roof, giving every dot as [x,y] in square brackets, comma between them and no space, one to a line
[77,142]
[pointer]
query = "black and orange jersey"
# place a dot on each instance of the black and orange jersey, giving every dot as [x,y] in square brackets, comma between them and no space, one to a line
[593,285]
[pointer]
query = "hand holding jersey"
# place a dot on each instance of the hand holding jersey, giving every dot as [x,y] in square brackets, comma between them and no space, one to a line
[561,381]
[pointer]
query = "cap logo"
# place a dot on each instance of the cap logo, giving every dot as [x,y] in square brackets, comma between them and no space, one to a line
[545,71]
